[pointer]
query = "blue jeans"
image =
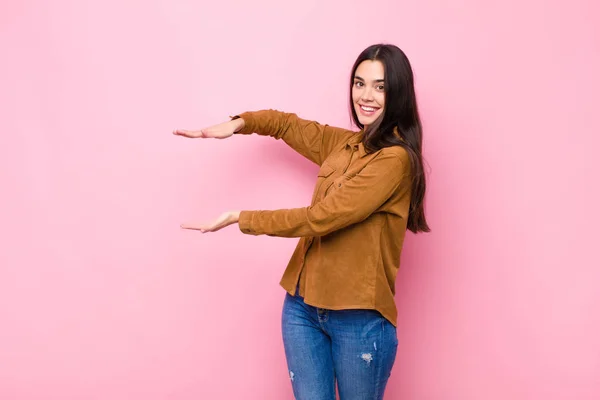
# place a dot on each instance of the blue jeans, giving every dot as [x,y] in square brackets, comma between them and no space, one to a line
[356,348]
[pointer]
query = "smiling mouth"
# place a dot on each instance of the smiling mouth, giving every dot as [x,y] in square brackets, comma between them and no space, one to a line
[367,109]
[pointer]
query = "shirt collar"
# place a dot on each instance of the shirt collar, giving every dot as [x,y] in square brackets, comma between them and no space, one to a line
[356,143]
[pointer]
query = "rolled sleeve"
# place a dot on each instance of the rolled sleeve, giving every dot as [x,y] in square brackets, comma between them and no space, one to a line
[250,125]
[309,138]
[245,222]
[351,202]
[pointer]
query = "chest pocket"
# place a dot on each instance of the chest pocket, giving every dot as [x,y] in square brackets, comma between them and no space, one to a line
[324,181]
[326,170]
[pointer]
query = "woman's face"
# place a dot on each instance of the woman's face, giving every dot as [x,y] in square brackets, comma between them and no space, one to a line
[368,95]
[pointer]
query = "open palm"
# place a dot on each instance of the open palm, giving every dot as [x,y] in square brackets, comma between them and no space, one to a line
[220,131]
[225,219]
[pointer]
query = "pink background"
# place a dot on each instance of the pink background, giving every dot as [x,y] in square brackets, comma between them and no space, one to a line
[102,296]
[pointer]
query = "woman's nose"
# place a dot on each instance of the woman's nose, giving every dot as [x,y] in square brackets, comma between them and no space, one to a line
[367,95]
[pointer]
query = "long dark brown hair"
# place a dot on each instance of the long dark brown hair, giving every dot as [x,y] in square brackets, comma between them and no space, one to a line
[399,125]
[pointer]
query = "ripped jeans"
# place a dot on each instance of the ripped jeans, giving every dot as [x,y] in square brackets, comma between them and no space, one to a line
[356,348]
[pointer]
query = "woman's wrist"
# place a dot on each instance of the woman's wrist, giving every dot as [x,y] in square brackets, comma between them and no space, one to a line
[235,216]
[239,124]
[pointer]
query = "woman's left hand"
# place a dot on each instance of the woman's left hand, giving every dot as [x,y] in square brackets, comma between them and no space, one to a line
[225,219]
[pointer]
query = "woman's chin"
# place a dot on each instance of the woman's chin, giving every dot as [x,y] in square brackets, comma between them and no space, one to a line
[366,121]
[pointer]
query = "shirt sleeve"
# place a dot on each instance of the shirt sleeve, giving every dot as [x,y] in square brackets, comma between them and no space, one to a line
[349,203]
[311,139]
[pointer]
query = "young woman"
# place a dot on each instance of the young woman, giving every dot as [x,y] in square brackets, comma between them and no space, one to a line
[339,314]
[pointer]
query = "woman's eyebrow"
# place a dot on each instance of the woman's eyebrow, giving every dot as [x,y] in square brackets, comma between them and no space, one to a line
[361,79]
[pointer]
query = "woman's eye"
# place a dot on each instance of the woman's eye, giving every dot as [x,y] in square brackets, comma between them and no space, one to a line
[380,87]
[358,83]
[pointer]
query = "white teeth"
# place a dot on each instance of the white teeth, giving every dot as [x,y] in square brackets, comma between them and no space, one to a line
[368,109]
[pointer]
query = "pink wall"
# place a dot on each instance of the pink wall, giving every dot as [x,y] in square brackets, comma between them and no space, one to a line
[102,296]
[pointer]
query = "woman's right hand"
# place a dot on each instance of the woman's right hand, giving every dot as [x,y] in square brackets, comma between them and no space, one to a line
[220,131]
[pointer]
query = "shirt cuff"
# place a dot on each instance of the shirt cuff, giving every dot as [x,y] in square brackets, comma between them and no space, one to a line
[249,125]
[245,222]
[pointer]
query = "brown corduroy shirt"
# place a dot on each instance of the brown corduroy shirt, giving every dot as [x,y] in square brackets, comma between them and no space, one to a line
[351,236]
